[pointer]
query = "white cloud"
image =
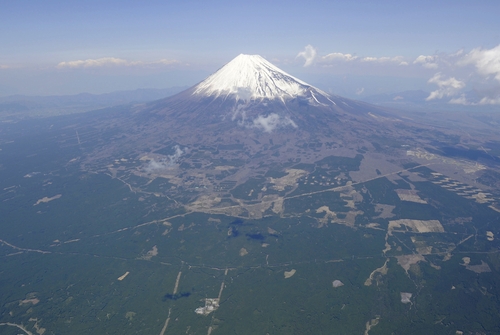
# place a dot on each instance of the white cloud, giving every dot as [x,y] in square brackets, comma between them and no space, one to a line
[338,56]
[446,87]
[271,122]
[490,101]
[111,61]
[429,62]
[360,91]
[347,57]
[164,163]
[431,66]
[376,59]
[93,62]
[486,61]
[423,59]
[461,100]
[397,59]
[309,54]
[165,62]
[311,57]
[477,69]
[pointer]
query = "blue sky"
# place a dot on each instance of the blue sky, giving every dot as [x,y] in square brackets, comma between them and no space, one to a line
[352,48]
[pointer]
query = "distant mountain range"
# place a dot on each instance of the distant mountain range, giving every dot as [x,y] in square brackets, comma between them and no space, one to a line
[251,78]
[23,106]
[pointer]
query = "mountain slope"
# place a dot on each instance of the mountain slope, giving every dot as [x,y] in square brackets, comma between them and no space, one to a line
[277,118]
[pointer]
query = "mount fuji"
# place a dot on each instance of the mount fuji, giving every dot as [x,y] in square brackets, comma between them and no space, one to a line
[265,114]
[251,93]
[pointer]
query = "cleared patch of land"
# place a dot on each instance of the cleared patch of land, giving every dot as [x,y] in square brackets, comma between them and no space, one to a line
[382,270]
[150,254]
[243,252]
[405,297]
[123,276]
[279,184]
[385,211]
[337,283]
[490,236]
[406,261]
[47,199]
[410,195]
[479,268]
[370,324]
[417,226]
[290,273]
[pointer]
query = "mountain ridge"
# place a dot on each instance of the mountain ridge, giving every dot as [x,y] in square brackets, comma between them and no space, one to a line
[15,107]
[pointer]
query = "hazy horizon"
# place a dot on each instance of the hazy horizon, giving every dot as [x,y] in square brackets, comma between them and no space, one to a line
[351,49]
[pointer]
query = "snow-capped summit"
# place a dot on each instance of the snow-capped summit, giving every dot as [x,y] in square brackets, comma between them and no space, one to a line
[249,77]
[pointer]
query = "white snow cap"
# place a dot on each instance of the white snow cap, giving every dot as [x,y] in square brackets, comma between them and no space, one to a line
[252,77]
